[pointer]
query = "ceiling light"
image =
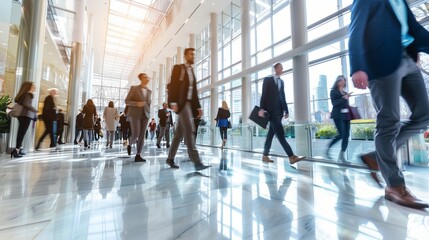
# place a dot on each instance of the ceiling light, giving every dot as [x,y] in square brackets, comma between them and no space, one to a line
[186,20]
[4,44]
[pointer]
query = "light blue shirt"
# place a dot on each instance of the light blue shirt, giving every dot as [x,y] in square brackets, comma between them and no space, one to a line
[400,10]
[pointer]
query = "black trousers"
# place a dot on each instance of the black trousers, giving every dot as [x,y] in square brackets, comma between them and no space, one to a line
[276,128]
[60,135]
[343,128]
[24,123]
[223,132]
[49,130]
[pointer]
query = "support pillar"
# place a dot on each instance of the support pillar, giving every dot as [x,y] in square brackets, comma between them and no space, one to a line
[246,63]
[301,78]
[213,73]
[192,40]
[29,67]
[75,68]
[161,85]
[179,56]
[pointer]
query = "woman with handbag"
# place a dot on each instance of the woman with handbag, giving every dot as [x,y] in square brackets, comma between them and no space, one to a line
[25,99]
[341,116]
[222,121]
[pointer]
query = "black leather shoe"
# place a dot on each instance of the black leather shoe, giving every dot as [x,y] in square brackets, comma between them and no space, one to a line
[158,146]
[15,154]
[129,150]
[199,167]
[171,163]
[138,158]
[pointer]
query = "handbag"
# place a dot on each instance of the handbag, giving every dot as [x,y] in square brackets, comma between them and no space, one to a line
[229,124]
[354,113]
[17,110]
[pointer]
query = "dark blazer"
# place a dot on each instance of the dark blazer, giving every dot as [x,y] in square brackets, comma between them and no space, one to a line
[271,100]
[178,90]
[136,95]
[338,103]
[49,113]
[162,114]
[26,101]
[222,114]
[89,113]
[79,121]
[375,44]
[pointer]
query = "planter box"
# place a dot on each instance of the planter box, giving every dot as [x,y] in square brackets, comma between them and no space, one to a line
[4,141]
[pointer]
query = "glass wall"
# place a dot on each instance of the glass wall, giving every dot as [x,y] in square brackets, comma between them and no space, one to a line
[271,37]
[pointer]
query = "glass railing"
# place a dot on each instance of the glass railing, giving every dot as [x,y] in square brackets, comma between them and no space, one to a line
[312,140]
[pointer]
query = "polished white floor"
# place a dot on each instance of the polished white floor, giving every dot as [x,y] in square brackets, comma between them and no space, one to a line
[71,193]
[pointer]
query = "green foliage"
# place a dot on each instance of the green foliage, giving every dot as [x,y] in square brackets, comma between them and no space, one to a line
[326,131]
[363,131]
[5,100]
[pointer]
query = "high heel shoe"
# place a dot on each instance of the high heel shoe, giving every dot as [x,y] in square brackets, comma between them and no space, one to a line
[15,154]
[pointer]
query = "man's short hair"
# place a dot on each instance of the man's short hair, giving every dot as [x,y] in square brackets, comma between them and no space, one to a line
[276,65]
[189,50]
[141,75]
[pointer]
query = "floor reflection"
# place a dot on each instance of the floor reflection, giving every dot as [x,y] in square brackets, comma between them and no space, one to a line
[103,194]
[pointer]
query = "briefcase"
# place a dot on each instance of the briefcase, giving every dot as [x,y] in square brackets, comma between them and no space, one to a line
[261,121]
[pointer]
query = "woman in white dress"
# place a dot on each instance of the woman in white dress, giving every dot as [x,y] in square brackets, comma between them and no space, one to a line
[110,116]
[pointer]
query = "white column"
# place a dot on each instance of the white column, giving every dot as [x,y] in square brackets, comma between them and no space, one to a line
[29,67]
[245,56]
[192,40]
[213,72]
[246,80]
[161,85]
[179,55]
[300,77]
[75,68]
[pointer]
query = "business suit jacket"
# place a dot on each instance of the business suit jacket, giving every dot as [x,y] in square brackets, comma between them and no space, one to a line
[136,95]
[178,90]
[272,100]
[338,103]
[49,113]
[162,114]
[375,44]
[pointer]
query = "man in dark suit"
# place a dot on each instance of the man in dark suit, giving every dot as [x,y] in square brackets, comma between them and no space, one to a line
[183,98]
[165,121]
[49,116]
[384,59]
[273,101]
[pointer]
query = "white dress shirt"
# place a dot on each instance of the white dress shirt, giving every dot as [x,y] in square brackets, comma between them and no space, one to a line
[191,80]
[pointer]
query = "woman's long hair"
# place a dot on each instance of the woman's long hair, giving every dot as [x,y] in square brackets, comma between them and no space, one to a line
[90,103]
[25,88]
[339,78]
[225,105]
[111,104]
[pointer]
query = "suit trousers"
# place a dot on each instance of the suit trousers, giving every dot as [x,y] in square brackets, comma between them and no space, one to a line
[391,134]
[138,128]
[49,130]
[276,128]
[343,129]
[165,131]
[186,129]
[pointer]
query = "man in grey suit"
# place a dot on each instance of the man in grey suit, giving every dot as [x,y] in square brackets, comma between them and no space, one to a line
[138,101]
[183,99]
